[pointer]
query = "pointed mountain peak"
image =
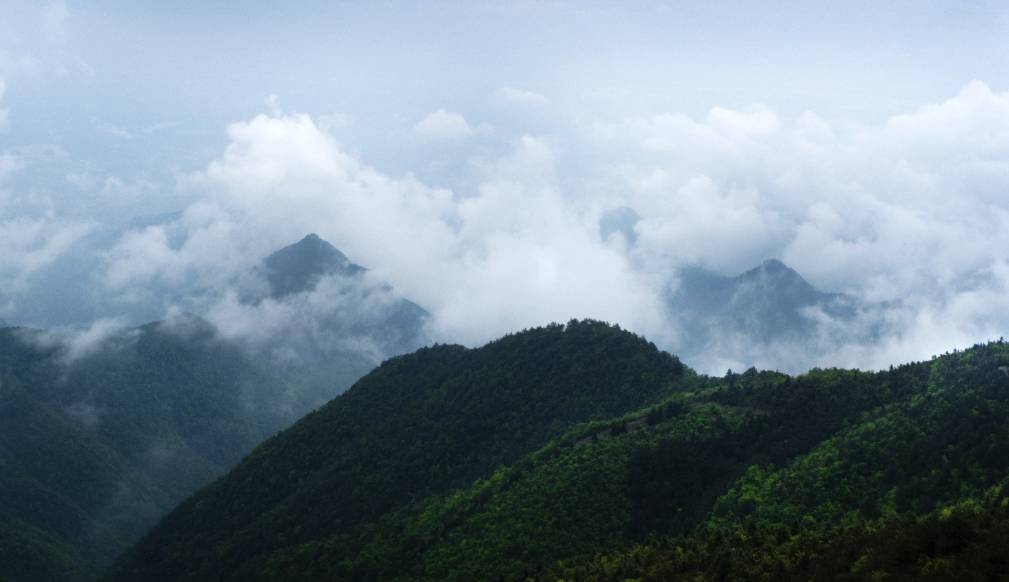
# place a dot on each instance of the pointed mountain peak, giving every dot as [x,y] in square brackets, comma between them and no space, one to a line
[773,268]
[298,267]
[774,279]
[313,240]
[775,265]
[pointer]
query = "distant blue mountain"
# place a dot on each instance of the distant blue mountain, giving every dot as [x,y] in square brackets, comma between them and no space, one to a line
[770,308]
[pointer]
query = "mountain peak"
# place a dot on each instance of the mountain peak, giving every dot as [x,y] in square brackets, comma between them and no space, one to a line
[775,269]
[775,265]
[298,267]
[776,288]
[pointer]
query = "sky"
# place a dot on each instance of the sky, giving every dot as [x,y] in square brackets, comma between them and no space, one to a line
[466,151]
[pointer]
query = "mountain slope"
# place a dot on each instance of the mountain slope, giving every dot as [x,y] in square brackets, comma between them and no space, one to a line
[916,488]
[93,450]
[760,476]
[417,426]
[750,476]
[655,471]
[961,543]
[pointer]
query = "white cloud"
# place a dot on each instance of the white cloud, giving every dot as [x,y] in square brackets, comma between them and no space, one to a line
[31,244]
[759,122]
[280,178]
[31,241]
[911,211]
[519,96]
[509,255]
[92,339]
[76,343]
[447,125]
[40,41]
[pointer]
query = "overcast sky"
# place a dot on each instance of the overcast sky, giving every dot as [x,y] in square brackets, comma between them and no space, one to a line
[465,151]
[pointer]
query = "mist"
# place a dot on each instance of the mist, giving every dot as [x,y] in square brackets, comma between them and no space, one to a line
[513,200]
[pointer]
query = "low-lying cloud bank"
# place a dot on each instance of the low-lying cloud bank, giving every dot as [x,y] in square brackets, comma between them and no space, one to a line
[910,216]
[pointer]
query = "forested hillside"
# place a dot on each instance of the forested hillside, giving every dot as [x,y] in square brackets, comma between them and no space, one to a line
[95,447]
[420,425]
[580,452]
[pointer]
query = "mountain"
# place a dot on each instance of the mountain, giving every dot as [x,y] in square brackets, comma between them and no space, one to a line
[332,321]
[582,452]
[917,488]
[97,444]
[766,301]
[768,316]
[419,425]
[754,316]
[150,414]
[394,324]
[297,268]
[337,323]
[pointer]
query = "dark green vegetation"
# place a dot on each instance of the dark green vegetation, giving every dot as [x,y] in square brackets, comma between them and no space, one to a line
[967,542]
[580,452]
[98,441]
[418,427]
[94,450]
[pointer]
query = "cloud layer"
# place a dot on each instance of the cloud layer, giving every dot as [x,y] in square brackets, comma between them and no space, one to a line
[447,125]
[910,214]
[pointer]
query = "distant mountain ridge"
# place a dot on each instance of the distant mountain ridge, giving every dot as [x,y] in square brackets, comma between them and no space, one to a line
[769,305]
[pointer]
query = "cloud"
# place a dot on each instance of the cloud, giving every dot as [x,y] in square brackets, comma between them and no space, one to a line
[822,191]
[73,344]
[510,95]
[911,211]
[32,238]
[280,178]
[447,125]
[30,245]
[46,46]
[508,255]
[909,215]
